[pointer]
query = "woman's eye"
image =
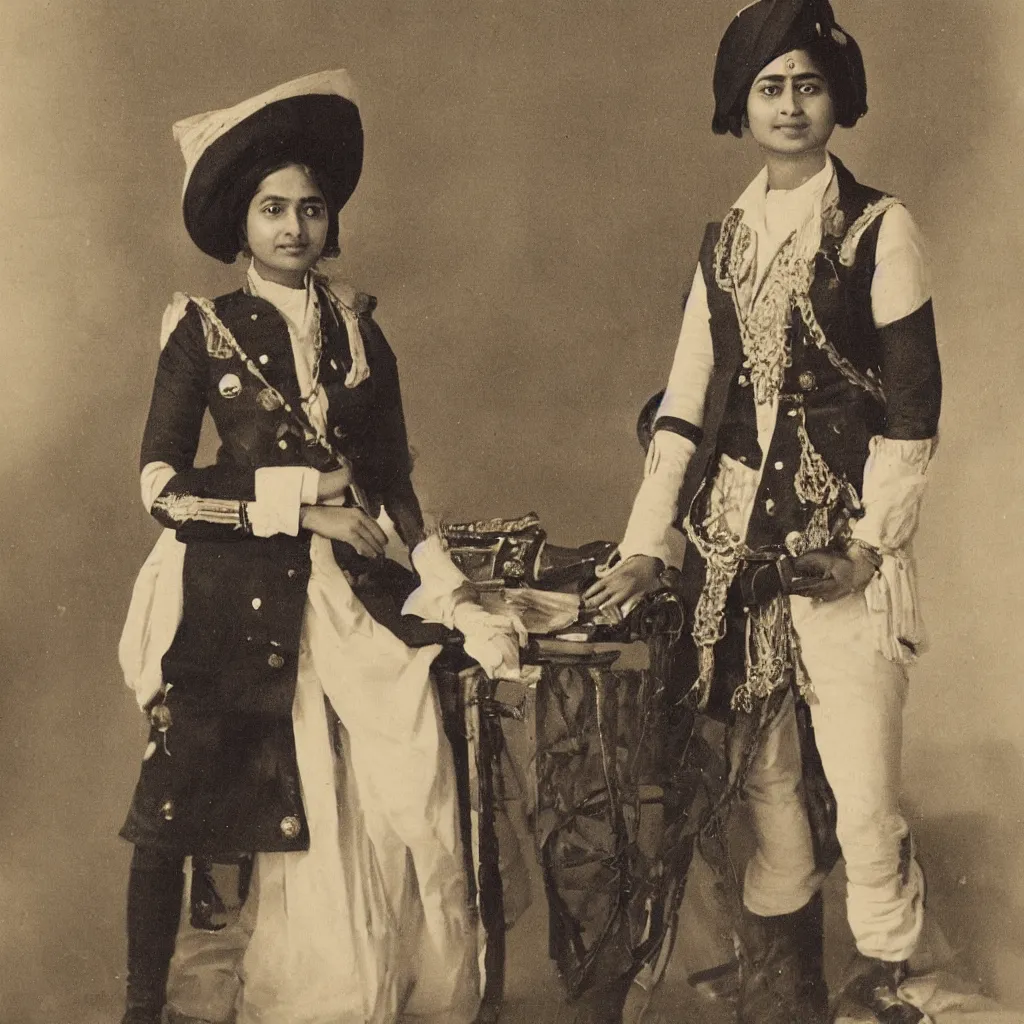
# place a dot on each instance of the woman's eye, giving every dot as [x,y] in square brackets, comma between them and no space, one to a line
[771,91]
[272,209]
[314,211]
[809,89]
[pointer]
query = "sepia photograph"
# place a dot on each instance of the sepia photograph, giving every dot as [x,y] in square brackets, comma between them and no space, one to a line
[511,512]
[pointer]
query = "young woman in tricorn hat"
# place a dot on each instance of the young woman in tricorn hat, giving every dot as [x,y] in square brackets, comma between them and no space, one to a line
[809,330]
[289,721]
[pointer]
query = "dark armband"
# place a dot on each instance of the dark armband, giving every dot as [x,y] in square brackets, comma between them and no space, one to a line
[684,428]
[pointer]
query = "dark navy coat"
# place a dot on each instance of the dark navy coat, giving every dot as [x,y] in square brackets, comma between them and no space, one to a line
[223,779]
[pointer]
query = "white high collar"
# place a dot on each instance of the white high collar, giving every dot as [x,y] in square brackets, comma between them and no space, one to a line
[774,214]
[296,305]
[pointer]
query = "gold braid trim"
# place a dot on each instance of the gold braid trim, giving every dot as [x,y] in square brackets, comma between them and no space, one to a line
[721,554]
[186,508]
[802,301]
[764,318]
[815,482]
[848,249]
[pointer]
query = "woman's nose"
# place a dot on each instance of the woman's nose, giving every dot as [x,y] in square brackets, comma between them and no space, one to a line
[791,100]
[294,223]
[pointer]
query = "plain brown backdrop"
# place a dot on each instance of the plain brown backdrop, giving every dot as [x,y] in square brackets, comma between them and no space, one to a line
[537,179]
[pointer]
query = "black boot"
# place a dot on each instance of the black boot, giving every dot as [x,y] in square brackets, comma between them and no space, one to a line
[604,1003]
[155,887]
[782,979]
[872,985]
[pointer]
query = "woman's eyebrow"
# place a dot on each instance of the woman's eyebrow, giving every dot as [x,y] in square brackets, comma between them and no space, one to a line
[286,199]
[803,76]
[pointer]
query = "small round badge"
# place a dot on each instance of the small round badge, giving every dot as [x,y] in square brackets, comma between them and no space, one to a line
[290,826]
[160,717]
[230,386]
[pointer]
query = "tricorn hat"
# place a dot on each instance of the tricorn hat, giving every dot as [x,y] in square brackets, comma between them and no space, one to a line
[312,120]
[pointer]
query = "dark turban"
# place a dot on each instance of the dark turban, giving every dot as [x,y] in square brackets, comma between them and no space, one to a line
[766,30]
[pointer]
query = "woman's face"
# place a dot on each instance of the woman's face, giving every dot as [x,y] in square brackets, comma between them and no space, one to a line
[789,108]
[286,225]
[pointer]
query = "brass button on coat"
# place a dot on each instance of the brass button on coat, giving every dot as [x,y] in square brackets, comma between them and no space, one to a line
[807,380]
[167,809]
[160,717]
[275,661]
[290,826]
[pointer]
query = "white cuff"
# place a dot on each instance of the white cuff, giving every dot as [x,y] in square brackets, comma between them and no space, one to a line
[493,640]
[279,495]
[435,599]
[894,609]
[894,483]
[651,530]
[310,487]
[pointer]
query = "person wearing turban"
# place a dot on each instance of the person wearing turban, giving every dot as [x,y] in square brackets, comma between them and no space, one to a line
[808,358]
[294,725]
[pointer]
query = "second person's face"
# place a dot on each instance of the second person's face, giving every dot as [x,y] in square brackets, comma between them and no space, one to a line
[789,108]
[286,226]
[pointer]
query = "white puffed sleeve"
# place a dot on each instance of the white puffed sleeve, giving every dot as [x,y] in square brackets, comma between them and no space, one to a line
[650,530]
[895,474]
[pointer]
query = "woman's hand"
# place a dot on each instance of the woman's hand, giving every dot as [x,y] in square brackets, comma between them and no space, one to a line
[351,525]
[632,578]
[831,575]
[333,485]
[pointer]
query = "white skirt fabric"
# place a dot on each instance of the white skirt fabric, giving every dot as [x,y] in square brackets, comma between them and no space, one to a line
[372,923]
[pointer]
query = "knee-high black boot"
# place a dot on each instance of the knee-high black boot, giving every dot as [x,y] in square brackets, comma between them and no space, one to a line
[155,887]
[604,1003]
[782,979]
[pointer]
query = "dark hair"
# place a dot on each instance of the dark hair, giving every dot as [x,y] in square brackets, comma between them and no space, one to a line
[846,85]
[249,184]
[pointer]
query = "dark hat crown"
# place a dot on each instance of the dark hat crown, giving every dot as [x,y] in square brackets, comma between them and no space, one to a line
[311,121]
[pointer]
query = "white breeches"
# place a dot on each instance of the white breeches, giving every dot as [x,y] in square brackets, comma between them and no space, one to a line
[857,714]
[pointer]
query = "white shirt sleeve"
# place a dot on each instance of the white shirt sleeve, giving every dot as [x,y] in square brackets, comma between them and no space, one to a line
[694,359]
[900,283]
[155,476]
[650,530]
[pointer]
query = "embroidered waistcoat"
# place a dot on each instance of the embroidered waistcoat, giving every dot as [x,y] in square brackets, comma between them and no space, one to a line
[829,381]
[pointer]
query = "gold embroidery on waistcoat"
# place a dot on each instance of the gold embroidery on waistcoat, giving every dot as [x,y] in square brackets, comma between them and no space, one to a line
[842,364]
[848,250]
[763,315]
